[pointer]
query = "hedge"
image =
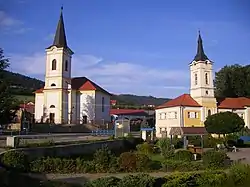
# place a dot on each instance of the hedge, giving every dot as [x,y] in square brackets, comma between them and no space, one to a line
[177,165]
[214,159]
[231,178]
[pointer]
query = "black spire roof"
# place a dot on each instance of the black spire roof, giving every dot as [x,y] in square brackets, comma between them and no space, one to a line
[200,55]
[60,36]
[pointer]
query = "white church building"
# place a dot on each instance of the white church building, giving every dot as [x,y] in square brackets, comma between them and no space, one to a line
[67,100]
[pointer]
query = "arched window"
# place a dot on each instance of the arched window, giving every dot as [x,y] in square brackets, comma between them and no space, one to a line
[53,84]
[209,113]
[52,106]
[66,65]
[206,78]
[195,79]
[54,64]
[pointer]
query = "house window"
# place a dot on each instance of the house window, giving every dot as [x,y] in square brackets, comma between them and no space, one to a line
[66,65]
[206,78]
[209,113]
[54,64]
[172,115]
[195,79]
[53,84]
[102,104]
[192,115]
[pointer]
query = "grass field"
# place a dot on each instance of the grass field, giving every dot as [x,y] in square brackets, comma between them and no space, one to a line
[26,98]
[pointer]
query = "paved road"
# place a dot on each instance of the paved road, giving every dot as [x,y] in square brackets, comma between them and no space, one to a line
[244,153]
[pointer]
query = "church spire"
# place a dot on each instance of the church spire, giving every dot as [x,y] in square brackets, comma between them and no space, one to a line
[60,36]
[200,55]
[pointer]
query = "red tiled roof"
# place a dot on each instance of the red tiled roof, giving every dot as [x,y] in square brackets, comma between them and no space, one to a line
[82,83]
[194,130]
[126,111]
[39,90]
[87,86]
[234,103]
[183,100]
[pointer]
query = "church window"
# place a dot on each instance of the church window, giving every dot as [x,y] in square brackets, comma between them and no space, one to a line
[195,79]
[53,84]
[52,106]
[102,104]
[209,113]
[206,78]
[54,64]
[66,65]
[206,92]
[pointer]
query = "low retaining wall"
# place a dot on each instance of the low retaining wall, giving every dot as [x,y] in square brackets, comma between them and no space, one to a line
[77,149]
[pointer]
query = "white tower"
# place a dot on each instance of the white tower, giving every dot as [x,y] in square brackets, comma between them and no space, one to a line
[202,86]
[58,76]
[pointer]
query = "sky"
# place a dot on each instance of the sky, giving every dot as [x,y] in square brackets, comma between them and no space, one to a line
[140,47]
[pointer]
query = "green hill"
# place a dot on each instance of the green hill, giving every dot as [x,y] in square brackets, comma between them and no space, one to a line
[23,87]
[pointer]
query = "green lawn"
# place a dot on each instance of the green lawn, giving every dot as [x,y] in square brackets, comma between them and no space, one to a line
[26,98]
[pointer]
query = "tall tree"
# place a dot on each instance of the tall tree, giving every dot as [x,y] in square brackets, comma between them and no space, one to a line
[233,81]
[224,123]
[7,104]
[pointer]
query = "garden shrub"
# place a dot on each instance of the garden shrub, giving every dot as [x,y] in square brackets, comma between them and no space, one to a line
[103,182]
[102,158]
[113,165]
[214,159]
[181,180]
[16,159]
[53,165]
[211,178]
[142,162]
[239,174]
[165,146]
[127,161]
[140,180]
[177,165]
[85,166]
[210,142]
[183,155]
[145,148]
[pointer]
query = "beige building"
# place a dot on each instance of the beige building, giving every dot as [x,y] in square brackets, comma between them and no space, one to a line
[191,110]
[67,100]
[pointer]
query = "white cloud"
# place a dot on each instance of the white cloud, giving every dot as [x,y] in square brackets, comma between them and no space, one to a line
[117,77]
[7,21]
[10,25]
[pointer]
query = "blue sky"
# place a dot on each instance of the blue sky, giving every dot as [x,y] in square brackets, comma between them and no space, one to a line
[141,47]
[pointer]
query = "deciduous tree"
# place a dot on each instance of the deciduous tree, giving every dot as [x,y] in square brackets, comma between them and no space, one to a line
[7,103]
[224,123]
[233,81]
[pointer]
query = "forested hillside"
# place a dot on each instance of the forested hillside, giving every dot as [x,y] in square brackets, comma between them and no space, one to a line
[23,86]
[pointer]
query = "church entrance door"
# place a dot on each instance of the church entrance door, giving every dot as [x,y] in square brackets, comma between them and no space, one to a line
[52,117]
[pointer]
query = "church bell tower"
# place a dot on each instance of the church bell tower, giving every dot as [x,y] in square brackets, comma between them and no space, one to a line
[58,76]
[202,86]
